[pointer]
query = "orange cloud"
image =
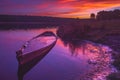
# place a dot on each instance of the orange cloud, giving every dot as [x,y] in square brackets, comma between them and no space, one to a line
[58,8]
[83,9]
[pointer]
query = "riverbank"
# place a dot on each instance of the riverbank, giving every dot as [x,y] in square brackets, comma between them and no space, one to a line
[103,32]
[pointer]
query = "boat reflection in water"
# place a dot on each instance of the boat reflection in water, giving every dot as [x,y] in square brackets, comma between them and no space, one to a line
[33,51]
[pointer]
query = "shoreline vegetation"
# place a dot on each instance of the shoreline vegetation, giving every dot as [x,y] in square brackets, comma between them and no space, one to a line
[106,32]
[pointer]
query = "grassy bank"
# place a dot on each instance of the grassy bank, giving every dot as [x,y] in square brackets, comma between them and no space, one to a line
[105,32]
[92,30]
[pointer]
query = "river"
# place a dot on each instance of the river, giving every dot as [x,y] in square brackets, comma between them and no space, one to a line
[59,64]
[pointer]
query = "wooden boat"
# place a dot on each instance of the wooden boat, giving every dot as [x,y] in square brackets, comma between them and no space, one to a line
[29,60]
[24,58]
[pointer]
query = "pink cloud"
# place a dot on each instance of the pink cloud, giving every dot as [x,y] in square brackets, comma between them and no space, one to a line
[58,8]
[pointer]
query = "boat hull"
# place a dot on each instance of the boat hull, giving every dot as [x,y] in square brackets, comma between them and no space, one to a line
[25,58]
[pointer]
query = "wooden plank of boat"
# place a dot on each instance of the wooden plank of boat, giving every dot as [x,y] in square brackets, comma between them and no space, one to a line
[24,58]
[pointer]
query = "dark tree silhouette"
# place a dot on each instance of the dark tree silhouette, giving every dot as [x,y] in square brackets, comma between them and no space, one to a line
[92,16]
[108,15]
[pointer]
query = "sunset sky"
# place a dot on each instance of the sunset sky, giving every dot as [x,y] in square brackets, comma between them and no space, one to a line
[57,8]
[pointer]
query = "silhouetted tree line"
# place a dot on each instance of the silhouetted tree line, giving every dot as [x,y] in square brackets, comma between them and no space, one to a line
[25,18]
[29,22]
[108,15]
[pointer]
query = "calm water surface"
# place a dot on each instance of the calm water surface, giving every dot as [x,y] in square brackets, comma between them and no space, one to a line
[58,64]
